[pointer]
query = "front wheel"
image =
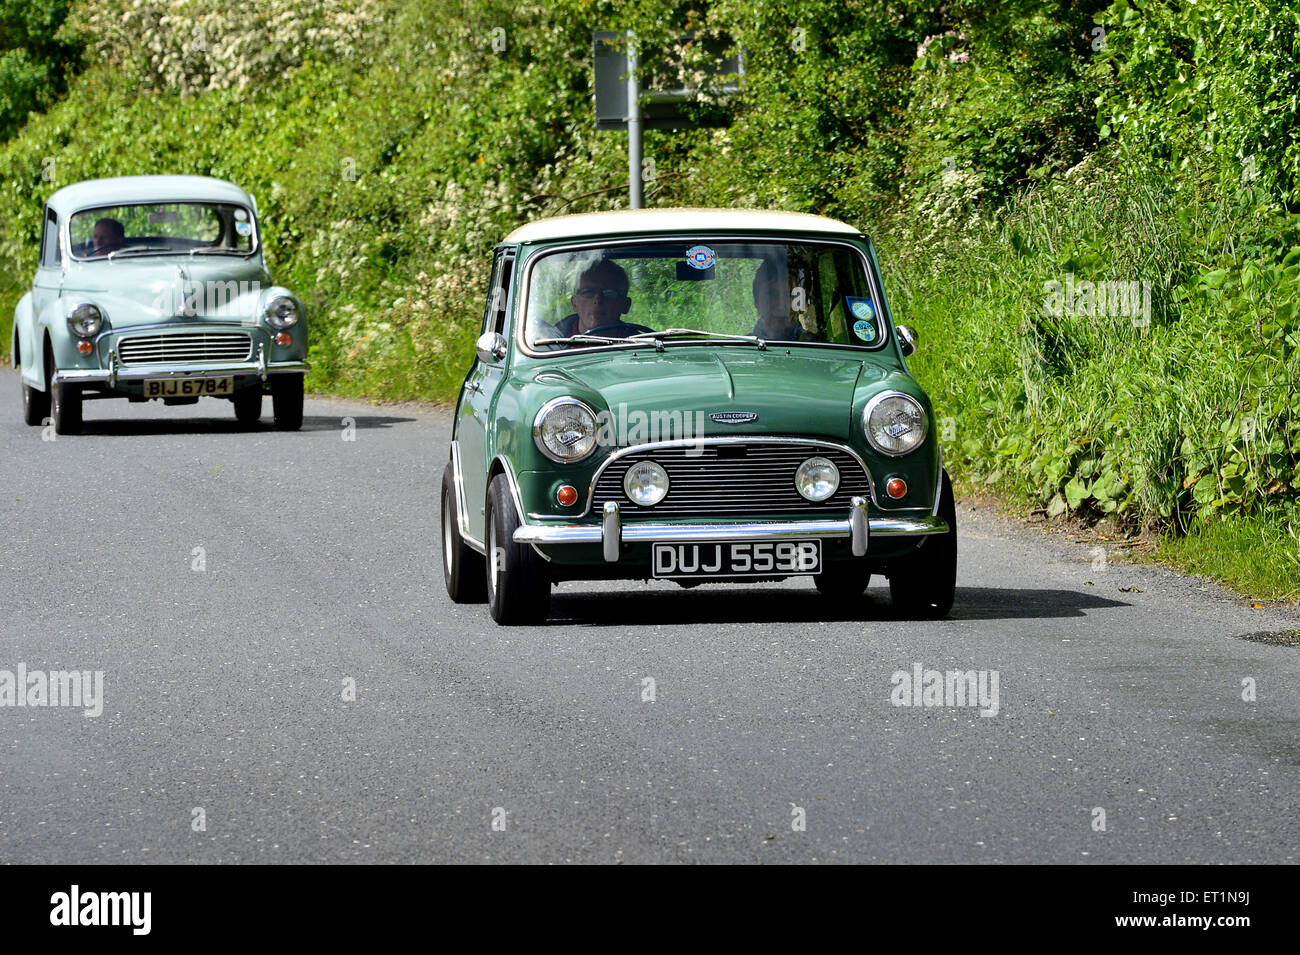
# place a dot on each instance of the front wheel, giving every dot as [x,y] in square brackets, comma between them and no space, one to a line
[843,582]
[518,583]
[286,401]
[66,410]
[248,405]
[923,584]
[463,568]
[36,405]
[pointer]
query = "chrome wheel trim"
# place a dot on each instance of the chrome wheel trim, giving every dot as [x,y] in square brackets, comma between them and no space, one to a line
[446,538]
[493,565]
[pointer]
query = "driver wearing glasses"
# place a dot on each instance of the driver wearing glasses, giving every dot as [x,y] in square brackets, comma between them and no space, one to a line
[600,301]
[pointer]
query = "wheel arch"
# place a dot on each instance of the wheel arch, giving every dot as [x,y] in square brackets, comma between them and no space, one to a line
[501,465]
[22,317]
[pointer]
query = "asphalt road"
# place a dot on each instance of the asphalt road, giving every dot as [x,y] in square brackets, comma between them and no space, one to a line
[225,670]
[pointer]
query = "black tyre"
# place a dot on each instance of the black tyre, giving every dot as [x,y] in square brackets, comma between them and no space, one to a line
[843,581]
[924,583]
[518,582]
[36,405]
[248,405]
[66,408]
[286,401]
[463,568]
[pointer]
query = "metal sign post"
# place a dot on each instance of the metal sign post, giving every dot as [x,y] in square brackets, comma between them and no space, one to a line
[619,94]
[635,186]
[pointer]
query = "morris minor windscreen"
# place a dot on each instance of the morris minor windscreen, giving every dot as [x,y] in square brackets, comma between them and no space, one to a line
[167,228]
[689,292]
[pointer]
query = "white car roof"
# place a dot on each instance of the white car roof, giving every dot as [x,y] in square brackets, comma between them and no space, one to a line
[125,190]
[640,221]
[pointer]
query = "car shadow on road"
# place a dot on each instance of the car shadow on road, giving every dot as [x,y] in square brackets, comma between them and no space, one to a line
[362,422]
[142,426]
[786,605]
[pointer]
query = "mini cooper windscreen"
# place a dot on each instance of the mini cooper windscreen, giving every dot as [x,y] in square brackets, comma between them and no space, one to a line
[184,228]
[691,292]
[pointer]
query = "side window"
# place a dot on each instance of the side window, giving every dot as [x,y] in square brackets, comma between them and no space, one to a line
[51,255]
[501,293]
[494,316]
[494,297]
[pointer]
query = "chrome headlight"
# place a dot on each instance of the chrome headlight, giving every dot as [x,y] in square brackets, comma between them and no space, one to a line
[85,320]
[565,430]
[817,479]
[646,483]
[281,311]
[895,423]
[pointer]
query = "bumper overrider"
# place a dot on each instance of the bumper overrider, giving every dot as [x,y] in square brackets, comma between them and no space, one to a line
[857,526]
[116,372]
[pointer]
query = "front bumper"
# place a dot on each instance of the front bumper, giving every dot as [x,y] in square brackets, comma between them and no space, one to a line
[611,533]
[116,372]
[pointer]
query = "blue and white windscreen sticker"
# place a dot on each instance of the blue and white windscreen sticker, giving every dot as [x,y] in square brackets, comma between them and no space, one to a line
[244,228]
[700,257]
[864,317]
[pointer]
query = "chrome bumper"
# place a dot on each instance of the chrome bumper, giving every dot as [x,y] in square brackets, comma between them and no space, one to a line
[611,532]
[115,372]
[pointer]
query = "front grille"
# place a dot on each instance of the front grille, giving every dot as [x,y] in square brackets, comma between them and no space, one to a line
[185,347]
[732,480]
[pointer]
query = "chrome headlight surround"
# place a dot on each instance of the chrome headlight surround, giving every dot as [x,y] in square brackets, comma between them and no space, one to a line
[646,483]
[85,319]
[281,311]
[894,423]
[564,430]
[817,479]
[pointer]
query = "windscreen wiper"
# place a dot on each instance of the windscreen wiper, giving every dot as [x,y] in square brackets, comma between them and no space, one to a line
[658,337]
[600,339]
[139,250]
[676,332]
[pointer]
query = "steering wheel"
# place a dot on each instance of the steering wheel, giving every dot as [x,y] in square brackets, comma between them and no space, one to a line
[618,330]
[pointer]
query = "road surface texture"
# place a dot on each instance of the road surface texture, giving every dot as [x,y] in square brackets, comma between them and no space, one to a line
[234,586]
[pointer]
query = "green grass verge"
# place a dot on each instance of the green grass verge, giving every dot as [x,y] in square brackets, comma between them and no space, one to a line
[1256,557]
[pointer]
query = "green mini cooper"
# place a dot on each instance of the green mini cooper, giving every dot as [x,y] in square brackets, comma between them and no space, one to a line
[693,395]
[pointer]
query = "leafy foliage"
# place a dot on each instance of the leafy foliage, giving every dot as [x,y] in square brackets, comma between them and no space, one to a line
[35,54]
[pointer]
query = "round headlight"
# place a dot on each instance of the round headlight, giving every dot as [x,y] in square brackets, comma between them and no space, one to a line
[895,423]
[645,483]
[565,430]
[817,479]
[281,311]
[85,320]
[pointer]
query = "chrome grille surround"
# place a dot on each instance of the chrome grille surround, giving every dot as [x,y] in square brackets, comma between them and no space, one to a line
[185,347]
[732,476]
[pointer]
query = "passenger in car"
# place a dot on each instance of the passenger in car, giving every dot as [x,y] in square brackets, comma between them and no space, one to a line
[773,300]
